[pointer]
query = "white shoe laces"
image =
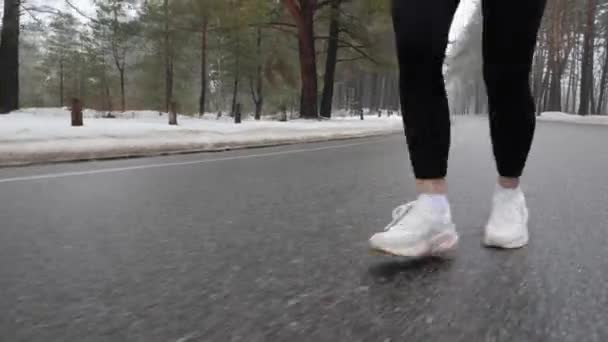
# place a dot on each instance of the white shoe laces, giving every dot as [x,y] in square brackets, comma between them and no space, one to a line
[399,213]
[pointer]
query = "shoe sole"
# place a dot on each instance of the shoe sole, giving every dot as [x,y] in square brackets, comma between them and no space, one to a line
[513,244]
[439,245]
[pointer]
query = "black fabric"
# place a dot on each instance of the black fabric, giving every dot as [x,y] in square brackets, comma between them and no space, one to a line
[510,29]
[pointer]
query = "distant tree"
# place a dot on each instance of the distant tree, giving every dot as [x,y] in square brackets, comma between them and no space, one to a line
[114,27]
[331,59]
[62,43]
[586,92]
[349,40]
[303,13]
[199,17]
[9,57]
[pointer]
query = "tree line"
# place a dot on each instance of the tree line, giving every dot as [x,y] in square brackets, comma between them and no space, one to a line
[569,72]
[306,56]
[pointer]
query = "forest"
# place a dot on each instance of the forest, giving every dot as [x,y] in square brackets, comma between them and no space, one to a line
[311,57]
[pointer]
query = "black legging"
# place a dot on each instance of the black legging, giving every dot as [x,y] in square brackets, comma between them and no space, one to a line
[510,28]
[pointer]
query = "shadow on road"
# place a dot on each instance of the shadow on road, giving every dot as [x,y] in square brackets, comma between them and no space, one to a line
[388,271]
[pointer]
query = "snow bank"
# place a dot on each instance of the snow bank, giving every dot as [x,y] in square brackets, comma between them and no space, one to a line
[572,118]
[45,135]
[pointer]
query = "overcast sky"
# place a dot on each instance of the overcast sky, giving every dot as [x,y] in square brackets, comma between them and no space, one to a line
[84,5]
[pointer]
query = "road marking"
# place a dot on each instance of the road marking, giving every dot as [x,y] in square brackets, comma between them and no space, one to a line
[155,166]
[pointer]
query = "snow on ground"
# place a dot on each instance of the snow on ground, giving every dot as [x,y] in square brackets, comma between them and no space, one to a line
[45,135]
[572,118]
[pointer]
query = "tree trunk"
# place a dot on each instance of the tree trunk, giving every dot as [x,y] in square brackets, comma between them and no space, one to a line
[577,73]
[82,79]
[235,89]
[386,94]
[331,60]
[61,82]
[555,90]
[542,97]
[173,114]
[119,62]
[602,95]
[304,16]
[106,90]
[9,57]
[358,96]
[235,93]
[259,101]
[600,102]
[587,62]
[339,95]
[76,112]
[203,96]
[258,110]
[570,85]
[539,68]
[123,102]
[237,113]
[394,93]
[545,91]
[382,99]
[168,60]
[373,96]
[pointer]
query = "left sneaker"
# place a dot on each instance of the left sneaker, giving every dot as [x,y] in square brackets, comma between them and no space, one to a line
[508,224]
[417,230]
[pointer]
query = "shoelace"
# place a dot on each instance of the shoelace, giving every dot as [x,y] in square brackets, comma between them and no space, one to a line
[399,213]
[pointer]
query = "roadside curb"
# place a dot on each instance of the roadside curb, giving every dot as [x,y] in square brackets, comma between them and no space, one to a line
[36,158]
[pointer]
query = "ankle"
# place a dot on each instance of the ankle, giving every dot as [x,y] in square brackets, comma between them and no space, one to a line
[431,186]
[508,183]
[437,203]
[507,195]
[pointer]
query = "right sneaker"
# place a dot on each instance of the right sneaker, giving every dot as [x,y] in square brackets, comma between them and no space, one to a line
[417,230]
[508,224]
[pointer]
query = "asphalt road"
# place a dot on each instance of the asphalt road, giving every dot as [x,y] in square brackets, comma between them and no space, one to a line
[271,245]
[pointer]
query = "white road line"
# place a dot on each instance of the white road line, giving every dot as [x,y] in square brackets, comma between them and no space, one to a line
[155,166]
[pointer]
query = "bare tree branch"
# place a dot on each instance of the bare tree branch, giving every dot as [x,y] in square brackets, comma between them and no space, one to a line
[281,24]
[358,48]
[40,9]
[283,29]
[75,8]
[350,59]
[29,11]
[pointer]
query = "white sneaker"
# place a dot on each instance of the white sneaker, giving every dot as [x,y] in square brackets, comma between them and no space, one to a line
[508,223]
[416,230]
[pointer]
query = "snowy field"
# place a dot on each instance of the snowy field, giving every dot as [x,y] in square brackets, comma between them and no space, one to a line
[563,117]
[45,135]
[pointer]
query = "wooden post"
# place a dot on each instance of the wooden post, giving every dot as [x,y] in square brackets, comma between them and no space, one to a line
[237,114]
[76,112]
[283,113]
[173,114]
